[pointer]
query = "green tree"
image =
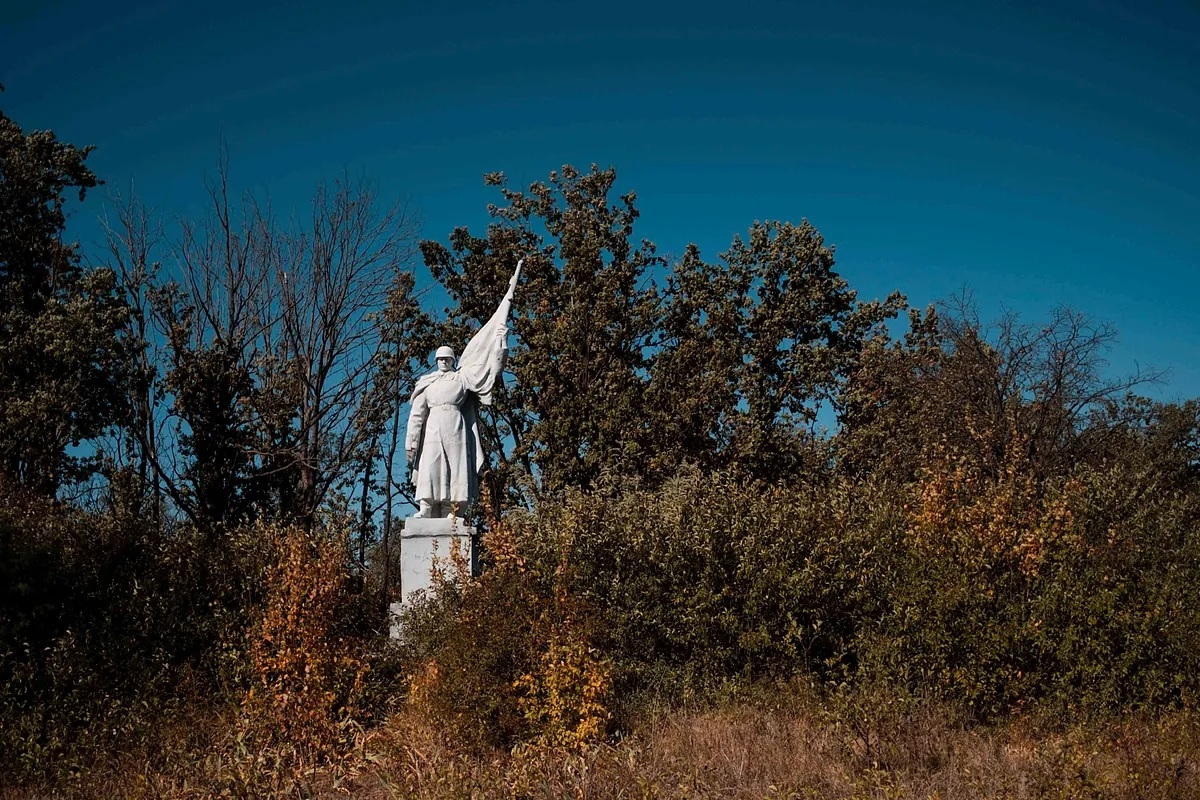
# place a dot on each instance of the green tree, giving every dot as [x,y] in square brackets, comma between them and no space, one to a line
[885,407]
[61,363]
[724,364]
[752,347]
[584,317]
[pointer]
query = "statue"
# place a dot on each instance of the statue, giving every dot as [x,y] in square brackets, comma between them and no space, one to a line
[442,442]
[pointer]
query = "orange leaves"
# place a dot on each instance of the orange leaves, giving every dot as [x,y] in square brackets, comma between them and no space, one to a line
[501,545]
[307,677]
[422,683]
[986,515]
[564,698]
[510,658]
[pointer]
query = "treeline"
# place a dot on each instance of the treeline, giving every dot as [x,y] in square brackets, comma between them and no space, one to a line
[200,489]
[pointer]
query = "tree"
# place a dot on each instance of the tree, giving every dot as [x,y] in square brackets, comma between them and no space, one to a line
[584,316]
[957,385]
[210,321]
[61,362]
[335,275]
[257,378]
[884,409]
[726,364]
[751,349]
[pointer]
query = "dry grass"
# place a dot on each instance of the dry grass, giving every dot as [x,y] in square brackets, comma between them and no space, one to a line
[799,752]
[742,752]
[802,750]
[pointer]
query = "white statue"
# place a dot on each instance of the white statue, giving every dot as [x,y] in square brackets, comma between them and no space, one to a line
[443,425]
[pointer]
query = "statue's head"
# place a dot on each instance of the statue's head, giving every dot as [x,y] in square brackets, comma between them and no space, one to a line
[444,358]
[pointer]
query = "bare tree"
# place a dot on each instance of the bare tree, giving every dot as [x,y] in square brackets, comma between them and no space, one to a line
[955,383]
[334,275]
[1043,382]
[215,321]
[134,237]
[257,391]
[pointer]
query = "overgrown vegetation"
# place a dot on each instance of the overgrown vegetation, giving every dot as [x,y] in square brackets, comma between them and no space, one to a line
[685,580]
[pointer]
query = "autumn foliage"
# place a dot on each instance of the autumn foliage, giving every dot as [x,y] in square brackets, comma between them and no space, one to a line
[306,672]
[509,656]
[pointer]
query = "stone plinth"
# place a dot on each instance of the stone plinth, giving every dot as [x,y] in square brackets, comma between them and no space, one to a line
[426,543]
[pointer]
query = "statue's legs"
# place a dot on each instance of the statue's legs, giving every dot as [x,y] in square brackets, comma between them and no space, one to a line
[449,508]
[439,508]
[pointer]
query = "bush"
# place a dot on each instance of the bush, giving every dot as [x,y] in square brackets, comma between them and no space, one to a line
[1075,593]
[82,662]
[113,630]
[712,579]
[508,657]
[996,591]
[1119,611]
[308,674]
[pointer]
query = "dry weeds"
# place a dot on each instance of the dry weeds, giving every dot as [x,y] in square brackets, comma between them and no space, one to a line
[801,753]
[798,751]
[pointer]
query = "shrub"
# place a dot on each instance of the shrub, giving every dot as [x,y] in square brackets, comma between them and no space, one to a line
[308,674]
[712,579]
[994,589]
[82,665]
[112,630]
[1119,613]
[1075,592]
[507,657]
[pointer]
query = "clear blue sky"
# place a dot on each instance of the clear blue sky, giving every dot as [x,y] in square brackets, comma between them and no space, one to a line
[1037,153]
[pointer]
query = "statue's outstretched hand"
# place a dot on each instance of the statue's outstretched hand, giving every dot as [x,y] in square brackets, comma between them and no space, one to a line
[512,282]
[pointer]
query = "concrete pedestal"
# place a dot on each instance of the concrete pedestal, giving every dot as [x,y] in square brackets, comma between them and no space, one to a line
[424,545]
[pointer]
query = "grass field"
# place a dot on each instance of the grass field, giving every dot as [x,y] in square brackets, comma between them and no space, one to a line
[795,748]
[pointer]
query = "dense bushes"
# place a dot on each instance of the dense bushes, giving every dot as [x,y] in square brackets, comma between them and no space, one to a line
[1072,592]
[307,671]
[994,593]
[81,647]
[990,590]
[710,578]
[507,657]
[113,631]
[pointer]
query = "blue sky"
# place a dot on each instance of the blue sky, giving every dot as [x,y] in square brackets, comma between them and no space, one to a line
[1037,154]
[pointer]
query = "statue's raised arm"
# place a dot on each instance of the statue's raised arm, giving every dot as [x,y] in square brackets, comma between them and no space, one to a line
[482,361]
[442,440]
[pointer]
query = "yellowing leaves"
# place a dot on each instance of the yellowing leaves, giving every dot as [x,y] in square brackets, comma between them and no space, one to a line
[565,698]
[1011,516]
[307,678]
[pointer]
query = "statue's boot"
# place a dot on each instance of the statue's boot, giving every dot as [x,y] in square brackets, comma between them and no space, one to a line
[424,510]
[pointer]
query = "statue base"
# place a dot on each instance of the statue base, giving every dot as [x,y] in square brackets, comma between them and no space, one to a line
[428,544]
